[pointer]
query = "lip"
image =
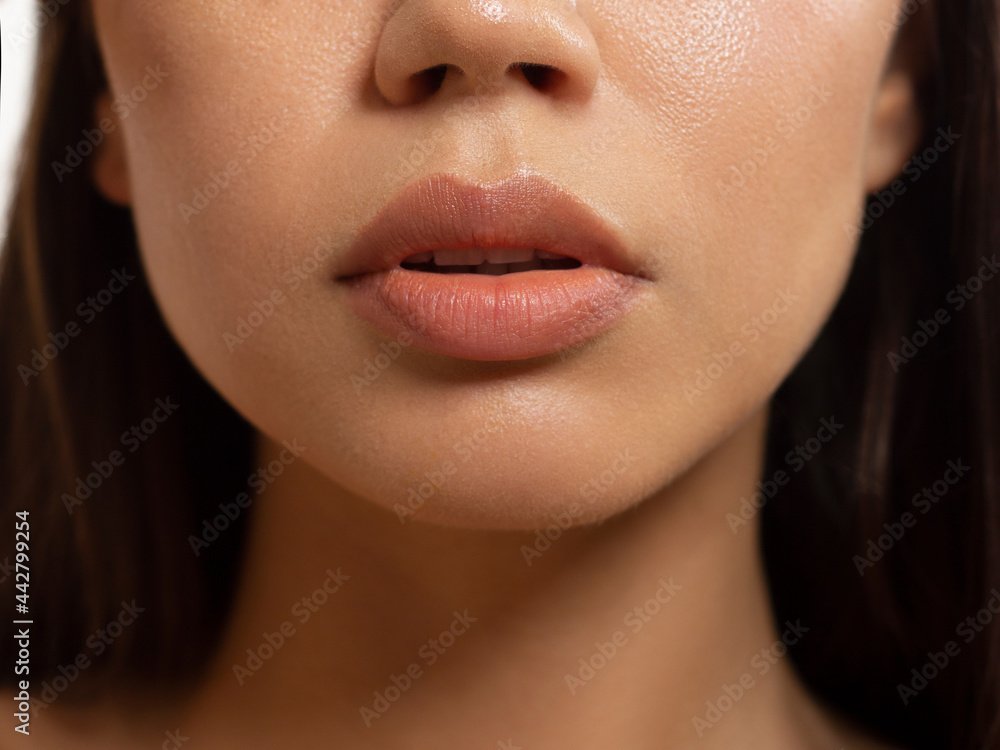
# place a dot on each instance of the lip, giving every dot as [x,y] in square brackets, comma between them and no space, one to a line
[481,317]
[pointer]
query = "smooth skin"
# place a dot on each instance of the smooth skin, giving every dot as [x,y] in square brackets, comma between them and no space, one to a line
[645,437]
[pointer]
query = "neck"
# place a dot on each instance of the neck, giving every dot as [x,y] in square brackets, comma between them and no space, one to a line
[651,629]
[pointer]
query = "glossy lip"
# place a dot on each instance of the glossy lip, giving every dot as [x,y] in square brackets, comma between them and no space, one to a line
[526,210]
[480,317]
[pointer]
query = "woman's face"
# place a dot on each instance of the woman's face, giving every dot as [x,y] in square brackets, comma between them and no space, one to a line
[728,144]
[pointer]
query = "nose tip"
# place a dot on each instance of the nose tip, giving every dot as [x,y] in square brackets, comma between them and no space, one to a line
[434,48]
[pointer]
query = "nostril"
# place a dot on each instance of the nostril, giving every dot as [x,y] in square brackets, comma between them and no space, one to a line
[541,77]
[428,81]
[425,84]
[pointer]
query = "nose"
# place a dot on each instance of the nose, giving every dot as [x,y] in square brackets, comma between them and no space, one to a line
[442,48]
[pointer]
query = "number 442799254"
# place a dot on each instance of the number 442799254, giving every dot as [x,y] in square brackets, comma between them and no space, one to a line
[21,559]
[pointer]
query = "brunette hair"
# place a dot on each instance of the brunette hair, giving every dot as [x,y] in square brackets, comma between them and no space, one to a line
[908,404]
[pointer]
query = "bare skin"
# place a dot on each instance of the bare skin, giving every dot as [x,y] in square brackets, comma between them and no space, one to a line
[661,103]
[675,597]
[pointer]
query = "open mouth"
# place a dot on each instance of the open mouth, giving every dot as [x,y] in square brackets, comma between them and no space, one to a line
[491,262]
[442,265]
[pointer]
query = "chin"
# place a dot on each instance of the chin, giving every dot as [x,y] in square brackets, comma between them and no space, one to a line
[502,485]
[489,500]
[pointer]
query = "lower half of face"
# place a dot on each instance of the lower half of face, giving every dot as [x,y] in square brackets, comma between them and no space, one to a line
[722,142]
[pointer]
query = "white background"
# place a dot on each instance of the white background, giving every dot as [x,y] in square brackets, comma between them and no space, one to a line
[18,32]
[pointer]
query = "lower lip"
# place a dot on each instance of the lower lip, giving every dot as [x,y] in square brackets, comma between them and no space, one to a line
[492,318]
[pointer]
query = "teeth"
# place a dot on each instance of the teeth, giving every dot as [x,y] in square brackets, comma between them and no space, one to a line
[491,258]
[509,255]
[459,257]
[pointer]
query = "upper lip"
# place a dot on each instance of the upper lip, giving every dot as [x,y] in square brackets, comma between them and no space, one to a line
[441,211]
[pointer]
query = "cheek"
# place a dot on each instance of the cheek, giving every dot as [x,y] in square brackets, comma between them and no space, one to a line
[234,161]
[250,91]
[726,139]
[754,116]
